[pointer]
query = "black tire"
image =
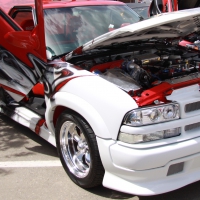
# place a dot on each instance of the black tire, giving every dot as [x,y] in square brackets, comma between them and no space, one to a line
[85,170]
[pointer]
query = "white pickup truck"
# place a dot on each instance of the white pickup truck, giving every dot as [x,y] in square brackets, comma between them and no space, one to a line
[117,96]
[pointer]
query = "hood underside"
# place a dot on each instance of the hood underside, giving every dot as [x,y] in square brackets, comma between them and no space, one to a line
[169,25]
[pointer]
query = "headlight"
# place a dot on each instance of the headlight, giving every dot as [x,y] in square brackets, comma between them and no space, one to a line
[158,135]
[151,115]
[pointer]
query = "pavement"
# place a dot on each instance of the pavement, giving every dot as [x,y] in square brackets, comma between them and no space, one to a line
[30,170]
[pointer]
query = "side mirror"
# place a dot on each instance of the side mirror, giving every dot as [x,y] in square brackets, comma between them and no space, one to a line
[22,39]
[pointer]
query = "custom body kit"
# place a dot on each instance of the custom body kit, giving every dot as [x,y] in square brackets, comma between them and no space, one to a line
[117,96]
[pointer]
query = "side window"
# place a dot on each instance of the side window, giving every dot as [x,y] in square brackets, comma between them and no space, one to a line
[24,19]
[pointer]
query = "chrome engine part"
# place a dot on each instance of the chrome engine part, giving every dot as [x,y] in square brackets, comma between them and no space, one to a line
[146,58]
[141,70]
[122,80]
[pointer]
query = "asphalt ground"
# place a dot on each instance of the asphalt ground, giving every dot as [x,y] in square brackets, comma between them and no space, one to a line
[31,170]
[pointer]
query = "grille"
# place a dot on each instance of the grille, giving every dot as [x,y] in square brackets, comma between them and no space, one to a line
[192,126]
[192,106]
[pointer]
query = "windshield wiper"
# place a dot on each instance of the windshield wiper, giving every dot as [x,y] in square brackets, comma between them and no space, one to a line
[53,54]
[141,18]
[58,56]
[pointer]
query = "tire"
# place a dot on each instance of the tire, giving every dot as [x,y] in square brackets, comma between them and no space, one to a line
[78,150]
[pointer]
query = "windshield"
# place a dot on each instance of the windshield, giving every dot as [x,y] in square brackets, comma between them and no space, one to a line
[142,12]
[68,28]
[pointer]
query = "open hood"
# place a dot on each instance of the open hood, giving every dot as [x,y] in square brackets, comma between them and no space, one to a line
[168,25]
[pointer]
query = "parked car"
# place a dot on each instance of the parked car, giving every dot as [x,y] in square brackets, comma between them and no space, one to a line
[162,6]
[123,108]
[141,8]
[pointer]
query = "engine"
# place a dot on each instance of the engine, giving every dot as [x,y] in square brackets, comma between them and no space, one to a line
[138,71]
[149,69]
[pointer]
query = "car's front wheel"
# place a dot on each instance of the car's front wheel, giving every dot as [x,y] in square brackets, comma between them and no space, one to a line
[78,150]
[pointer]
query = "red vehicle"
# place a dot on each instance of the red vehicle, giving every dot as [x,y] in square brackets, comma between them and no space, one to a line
[162,6]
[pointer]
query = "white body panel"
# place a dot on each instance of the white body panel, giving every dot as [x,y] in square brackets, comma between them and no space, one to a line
[132,168]
[142,169]
[101,103]
[17,81]
[149,181]
[29,119]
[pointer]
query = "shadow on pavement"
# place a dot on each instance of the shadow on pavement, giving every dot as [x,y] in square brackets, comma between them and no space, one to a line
[9,135]
[51,150]
[4,172]
[108,193]
[14,135]
[189,192]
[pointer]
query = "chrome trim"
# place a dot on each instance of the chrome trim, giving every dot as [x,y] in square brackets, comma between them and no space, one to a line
[75,149]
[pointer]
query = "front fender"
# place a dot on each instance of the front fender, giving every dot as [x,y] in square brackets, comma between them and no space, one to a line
[100,102]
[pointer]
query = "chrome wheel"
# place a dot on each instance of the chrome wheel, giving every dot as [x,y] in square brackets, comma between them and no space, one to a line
[75,149]
[78,150]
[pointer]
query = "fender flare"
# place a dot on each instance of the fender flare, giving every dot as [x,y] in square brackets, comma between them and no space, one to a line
[80,106]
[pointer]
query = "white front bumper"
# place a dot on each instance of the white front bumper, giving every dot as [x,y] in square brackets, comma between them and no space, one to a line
[144,171]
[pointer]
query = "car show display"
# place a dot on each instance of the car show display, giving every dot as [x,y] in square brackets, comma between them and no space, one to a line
[118,96]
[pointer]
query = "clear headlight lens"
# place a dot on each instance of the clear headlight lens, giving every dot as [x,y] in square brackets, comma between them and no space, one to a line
[151,115]
[158,135]
[154,115]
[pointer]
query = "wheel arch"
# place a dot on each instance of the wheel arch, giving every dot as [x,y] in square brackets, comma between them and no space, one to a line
[102,104]
[65,101]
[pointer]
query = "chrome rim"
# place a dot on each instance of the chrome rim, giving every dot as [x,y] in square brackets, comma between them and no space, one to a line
[75,149]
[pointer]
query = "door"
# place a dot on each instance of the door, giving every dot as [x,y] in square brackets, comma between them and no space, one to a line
[20,50]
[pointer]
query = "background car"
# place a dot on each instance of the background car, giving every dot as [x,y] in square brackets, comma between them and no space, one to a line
[162,6]
[141,8]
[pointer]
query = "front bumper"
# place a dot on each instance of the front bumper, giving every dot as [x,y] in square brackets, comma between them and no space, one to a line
[150,171]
